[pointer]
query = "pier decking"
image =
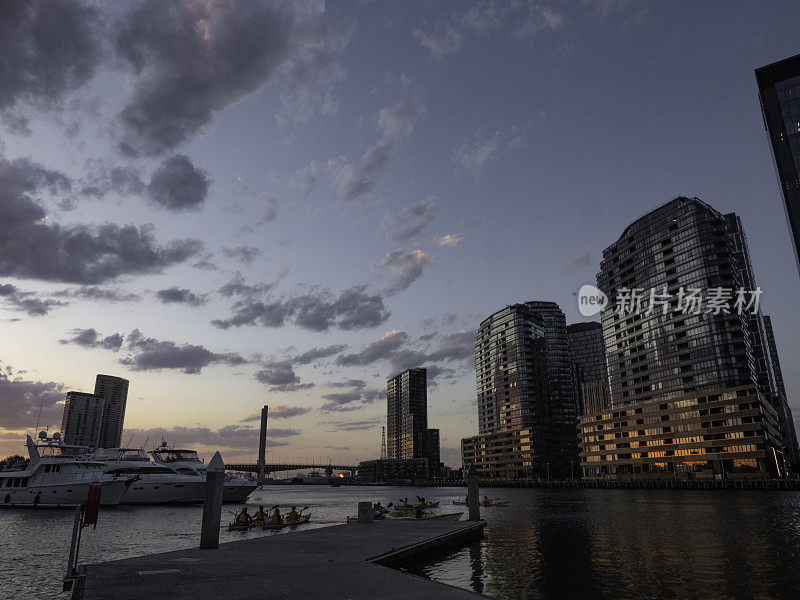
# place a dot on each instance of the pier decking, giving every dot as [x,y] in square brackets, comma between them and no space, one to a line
[342,561]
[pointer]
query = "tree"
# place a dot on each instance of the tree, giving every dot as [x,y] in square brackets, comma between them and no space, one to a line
[10,460]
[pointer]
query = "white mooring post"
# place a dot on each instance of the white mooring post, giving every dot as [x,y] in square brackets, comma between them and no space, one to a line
[212,503]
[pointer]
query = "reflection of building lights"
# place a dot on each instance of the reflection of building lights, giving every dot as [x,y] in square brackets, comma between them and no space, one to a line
[341,475]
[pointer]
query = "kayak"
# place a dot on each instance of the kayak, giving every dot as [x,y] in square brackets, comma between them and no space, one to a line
[300,520]
[444,517]
[415,506]
[239,526]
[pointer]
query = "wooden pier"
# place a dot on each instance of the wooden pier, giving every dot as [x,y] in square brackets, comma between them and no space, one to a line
[342,561]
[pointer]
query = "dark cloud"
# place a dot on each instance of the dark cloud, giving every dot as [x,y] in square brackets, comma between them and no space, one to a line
[393,348]
[314,354]
[353,425]
[237,437]
[281,377]
[205,263]
[351,383]
[31,248]
[407,359]
[175,295]
[93,292]
[254,312]
[28,302]
[341,401]
[455,346]
[49,49]
[90,338]
[119,179]
[316,310]
[411,220]
[238,287]
[21,401]
[178,185]
[395,123]
[403,269]
[280,374]
[190,60]
[150,354]
[378,350]
[244,254]
[280,411]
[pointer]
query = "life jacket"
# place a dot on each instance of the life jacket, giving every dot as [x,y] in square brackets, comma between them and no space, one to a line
[242,518]
[292,516]
[276,518]
[259,516]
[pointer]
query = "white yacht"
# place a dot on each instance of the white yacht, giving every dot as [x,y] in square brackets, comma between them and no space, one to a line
[155,484]
[186,462]
[57,476]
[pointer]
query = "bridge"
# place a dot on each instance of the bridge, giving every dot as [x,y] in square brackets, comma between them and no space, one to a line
[271,468]
[261,467]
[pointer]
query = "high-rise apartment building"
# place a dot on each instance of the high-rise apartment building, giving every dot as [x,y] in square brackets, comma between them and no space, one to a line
[115,392]
[433,453]
[407,415]
[511,370]
[588,355]
[669,355]
[82,420]
[561,385]
[787,420]
[682,244]
[525,428]
[779,93]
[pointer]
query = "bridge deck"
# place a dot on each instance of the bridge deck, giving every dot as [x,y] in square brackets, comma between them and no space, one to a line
[252,467]
[342,561]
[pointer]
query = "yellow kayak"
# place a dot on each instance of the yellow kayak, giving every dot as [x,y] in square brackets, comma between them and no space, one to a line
[301,519]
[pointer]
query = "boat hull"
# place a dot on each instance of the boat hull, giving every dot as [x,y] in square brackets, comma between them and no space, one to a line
[66,495]
[237,493]
[163,491]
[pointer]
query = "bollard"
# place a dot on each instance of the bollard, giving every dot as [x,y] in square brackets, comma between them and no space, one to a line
[212,503]
[365,512]
[473,498]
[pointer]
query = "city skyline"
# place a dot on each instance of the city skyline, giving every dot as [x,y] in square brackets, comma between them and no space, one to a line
[351,201]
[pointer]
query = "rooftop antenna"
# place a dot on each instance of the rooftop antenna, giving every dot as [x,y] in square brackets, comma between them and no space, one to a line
[130,439]
[383,443]
[145,442]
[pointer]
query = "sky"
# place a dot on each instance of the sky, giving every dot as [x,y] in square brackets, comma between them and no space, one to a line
[234,204]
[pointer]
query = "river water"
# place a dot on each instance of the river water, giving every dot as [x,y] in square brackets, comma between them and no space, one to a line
[553,544]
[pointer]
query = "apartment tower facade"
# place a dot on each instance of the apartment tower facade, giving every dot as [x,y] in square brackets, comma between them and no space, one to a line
[686,396]
[114,390]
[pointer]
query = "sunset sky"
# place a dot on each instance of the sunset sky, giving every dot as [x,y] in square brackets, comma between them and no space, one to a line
[234,204]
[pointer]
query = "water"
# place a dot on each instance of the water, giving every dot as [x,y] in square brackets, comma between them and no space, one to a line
[563,544]
[555,544]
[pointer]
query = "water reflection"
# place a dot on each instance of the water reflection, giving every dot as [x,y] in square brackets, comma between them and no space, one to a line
[632,544]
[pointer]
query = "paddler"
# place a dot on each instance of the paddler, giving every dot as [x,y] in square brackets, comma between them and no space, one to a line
[293,515]
[378,511]
[276,518]
[259,517]
[486,500]
[243,518]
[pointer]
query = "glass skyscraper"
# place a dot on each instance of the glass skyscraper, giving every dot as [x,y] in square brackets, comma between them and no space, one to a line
[692,387]
[779,93]
[527,413]
[407,414]
[588,354]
